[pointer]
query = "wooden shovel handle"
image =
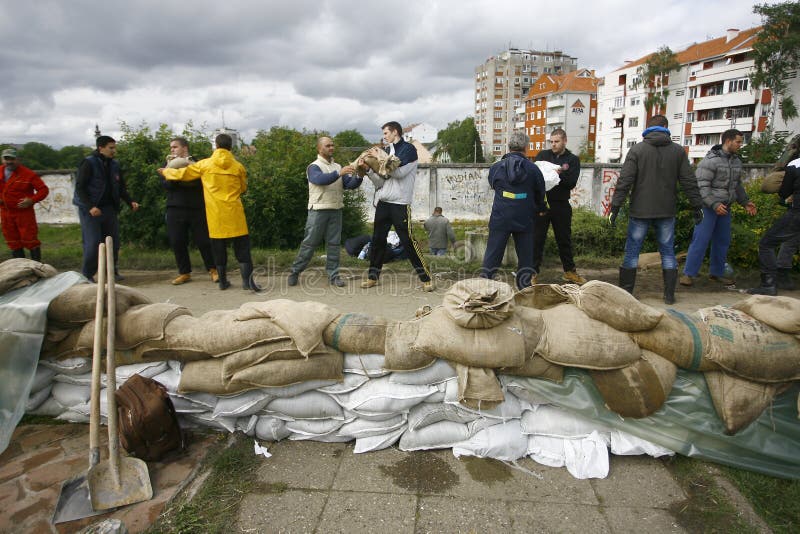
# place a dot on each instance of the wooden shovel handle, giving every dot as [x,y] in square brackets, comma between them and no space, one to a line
[97,362]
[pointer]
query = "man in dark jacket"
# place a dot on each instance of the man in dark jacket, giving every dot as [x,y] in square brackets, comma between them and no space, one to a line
[99,188]
[518,195]
[785,229]
[719,177]
[651,173]
[557,210]
[186,211]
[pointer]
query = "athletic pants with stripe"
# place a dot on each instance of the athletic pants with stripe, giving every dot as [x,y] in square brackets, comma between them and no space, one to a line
[399,216]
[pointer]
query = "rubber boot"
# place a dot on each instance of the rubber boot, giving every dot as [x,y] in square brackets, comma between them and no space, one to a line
[247,277]
[36,254]
[627,279]
[223,277]
[784,280]
[670,279]
[767,286]
[18,253]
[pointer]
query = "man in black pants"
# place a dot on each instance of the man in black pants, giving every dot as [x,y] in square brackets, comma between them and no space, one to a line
[186,211]
[394,194]
[558,211]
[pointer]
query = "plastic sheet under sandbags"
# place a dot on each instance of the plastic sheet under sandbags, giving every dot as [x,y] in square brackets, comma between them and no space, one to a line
[686,423]
[23,316]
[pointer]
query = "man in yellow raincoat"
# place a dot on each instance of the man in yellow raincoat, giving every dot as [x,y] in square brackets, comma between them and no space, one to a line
[224,180]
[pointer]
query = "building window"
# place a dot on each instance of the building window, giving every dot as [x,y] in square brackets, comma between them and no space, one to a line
[591,128]
[497,148]
[618,123]
[690,116]
[633,122]
[526,68]
[679,93]
[630,142]
[693,92]
[498,114]
[619,102]
[538,130]
[538,115]
[765,110]
[593,112]
[678,116]
[498,103]
[635,100]
[735,86]
[530,146]
[687,141]
[548,59]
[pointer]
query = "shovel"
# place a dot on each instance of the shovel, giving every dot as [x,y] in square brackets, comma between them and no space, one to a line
[74,502]
[120,480]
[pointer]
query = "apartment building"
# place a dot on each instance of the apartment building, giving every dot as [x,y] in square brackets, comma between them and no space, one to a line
[710,93]
[569,102]
[501,84]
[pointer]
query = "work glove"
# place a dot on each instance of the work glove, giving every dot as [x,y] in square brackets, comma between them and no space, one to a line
[612,216]
[697,216]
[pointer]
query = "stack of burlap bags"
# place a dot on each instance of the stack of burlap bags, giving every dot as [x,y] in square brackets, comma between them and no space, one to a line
[20,272]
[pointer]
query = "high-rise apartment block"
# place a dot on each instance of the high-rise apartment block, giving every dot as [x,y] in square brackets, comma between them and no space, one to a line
[501,84]
[710,93]
[569,102]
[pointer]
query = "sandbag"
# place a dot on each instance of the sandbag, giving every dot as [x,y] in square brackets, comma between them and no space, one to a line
[77,304]
[426,414]
[362,428]
[511,407]
[382,164]
[478,388]
[639,389]
[326,366]
[749,348]
[437,373]
[271,428]
[556,422]
[479,302]
[401,355]
[206,376]
[540,296]
[382,397]
[242,405]
[22,272]
[536,367]
[772,182]
[503,441]
[140,323]
[282,349]
[309,405]
[370,365]
[501,346]
[680,338]
[738,401]
[377,442]
[613,305]
[572,338]
[781,313]
[440,435]
[65,348]
[357,333]
[306,333]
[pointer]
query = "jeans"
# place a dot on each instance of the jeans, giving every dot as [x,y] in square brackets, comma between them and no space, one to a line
[714,229]
[321,224]
[94,231]
[665,236]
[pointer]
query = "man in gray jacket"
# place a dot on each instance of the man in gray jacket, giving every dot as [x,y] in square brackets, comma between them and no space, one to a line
[719,177]
[440,232]
[651,173]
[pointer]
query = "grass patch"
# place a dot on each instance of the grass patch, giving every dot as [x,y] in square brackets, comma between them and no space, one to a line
[774,499]
[214,507]
[706,509]
[30,419]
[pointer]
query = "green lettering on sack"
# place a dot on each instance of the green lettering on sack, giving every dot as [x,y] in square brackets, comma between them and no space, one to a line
[722,332]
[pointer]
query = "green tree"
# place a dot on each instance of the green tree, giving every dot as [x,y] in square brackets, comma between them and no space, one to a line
[461,140]
[766,148]
[653,75]
[71,156]
[776,52]
[39,156]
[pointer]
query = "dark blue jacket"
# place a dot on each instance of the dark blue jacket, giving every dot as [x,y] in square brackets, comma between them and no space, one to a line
[181,194]
[99,183]
[518,193]
[405,151]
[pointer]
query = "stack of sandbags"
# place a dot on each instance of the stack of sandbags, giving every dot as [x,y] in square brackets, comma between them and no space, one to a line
[357,333]
[20,272]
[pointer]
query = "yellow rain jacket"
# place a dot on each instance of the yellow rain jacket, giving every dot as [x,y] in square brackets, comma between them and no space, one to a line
[224,181]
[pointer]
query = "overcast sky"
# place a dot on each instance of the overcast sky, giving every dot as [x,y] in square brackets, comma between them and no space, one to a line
[320,65]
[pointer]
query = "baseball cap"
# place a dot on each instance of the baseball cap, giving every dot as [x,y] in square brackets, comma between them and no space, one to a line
[9,153]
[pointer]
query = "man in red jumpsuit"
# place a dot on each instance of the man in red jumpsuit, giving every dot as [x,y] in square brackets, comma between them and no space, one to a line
[20,189]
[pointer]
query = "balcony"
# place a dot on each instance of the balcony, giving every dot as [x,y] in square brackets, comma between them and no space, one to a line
[519,125]
[726,72]
[614,134]
[726,100]
[555,102]
[555,118]
[745,124]
[520,110]
[617,113]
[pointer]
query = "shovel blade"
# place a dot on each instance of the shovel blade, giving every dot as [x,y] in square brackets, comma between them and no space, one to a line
[74,502]
[134,484]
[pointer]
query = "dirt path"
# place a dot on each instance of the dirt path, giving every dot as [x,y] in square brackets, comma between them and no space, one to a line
[398,296]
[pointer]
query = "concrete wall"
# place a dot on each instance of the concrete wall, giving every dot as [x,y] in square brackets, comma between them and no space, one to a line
[462,190]
[57,208]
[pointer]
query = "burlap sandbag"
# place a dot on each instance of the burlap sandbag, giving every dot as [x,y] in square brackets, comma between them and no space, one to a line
[501,346]
[383,163]
[76,304]
[536,367]
[574,339]
[21,272]
[652,260]
[302,321]
[639,389]
[326,366]
[283,349]
[205,376]
[749,348]
[479,302]
[680,338]
[182,341]
[357,333]
[738,401]
[144,322]
[781,313]
[67,347]
[613,305]
[400,354]
[772,182]
[478,388]
[540,296]
[220,332]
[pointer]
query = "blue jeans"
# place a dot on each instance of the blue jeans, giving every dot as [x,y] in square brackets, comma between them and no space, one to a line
[665,235]
[94,231]
[714,229]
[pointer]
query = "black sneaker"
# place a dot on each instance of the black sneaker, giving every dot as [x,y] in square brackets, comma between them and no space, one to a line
[293,279]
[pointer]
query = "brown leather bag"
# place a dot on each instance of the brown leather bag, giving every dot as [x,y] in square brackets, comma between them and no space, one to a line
[148,424]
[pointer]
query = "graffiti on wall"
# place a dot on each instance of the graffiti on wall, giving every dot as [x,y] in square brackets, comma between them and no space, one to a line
[581,196]
[465,191]
[57,208]
[607,187]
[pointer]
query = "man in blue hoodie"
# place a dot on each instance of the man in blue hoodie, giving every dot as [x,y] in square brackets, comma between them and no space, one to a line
[518,196]
[651,173]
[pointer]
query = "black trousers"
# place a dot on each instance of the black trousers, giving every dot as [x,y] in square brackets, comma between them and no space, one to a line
[241,249]
[784,229]
[559,215]
[399,216]
[496,247]
[181,221]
